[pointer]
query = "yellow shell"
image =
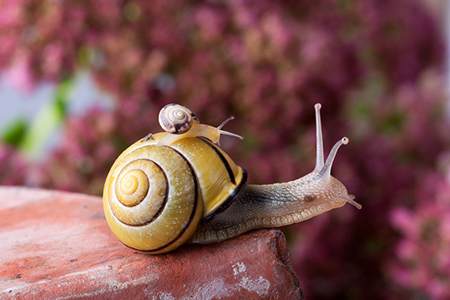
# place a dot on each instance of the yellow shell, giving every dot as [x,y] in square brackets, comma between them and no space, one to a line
[155,195]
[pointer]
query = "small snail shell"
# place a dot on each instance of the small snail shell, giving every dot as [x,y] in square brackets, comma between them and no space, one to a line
[175,118]
[155,196]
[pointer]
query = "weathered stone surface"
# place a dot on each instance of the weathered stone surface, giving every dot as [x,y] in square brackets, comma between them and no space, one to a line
[57,245]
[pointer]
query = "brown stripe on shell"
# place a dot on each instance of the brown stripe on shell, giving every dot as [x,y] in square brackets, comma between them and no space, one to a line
[230,199]
[222,158]
[191,217]
[161,208]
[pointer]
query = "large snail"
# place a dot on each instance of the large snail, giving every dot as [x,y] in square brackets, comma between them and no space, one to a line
[178,186]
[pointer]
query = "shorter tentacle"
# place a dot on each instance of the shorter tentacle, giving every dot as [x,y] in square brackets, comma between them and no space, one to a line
[225,122]
[326,169]
[351,200]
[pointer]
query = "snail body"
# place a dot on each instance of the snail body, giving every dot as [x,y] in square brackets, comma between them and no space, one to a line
[179,186]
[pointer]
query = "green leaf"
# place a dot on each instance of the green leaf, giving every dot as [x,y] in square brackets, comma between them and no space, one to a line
[47,120]
[15,132]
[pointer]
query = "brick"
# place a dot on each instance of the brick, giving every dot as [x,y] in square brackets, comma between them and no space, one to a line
[57,245]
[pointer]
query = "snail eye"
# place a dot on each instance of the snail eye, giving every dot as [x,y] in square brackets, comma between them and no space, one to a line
[309,198]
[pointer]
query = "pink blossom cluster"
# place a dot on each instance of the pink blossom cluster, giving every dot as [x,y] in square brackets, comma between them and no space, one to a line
[422,263]
[13,167]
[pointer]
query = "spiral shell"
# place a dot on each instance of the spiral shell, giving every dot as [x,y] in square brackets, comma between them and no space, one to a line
[175,118]
[155,196]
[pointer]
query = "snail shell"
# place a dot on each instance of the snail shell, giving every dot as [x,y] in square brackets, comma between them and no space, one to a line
[175,118]
[155,196]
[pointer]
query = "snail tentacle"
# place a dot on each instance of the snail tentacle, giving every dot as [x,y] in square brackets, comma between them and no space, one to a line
[227,120]
[319,139]
[223,132]
[326,169]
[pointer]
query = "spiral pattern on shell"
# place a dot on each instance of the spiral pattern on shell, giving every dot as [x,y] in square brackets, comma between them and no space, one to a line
[175,118]
[151,199]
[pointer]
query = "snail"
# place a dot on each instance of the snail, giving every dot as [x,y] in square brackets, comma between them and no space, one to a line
[179,186]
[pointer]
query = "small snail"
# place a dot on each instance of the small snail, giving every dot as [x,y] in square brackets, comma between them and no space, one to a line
[179,186]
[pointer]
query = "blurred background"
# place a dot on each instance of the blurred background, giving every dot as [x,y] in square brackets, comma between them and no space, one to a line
[81,80]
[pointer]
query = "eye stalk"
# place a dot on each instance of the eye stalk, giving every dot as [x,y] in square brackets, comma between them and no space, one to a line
[326,169]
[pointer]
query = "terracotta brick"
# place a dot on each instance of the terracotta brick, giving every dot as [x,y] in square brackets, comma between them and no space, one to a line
[57,245]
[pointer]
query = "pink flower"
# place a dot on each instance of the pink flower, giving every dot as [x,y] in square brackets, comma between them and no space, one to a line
[19,75]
